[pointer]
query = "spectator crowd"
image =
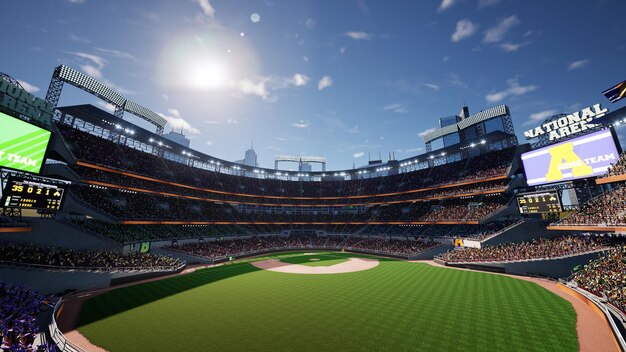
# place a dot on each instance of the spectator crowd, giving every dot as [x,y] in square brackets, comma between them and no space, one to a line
[544,248]
[606,277]
[68,259]
[19,308]
[608,209]
[238,247]
[95,149]
[619,168]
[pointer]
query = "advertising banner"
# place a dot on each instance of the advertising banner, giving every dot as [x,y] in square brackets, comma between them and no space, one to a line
[587,156]
[22,145]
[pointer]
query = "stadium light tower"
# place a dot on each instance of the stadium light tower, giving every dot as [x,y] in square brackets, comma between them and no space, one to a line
[63,74]
[301,160]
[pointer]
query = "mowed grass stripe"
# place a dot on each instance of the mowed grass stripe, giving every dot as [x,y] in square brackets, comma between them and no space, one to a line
[397,306]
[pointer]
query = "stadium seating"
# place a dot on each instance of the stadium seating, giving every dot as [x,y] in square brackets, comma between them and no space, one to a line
[607,209]
[68,259]
[240,247]
[537,249]
[19,308]
[618,168]
[90,148]
[606,277]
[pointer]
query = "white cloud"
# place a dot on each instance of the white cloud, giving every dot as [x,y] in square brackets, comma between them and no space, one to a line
[301,124]
[358,35]
[540,116]
[354,130]
[98,61]
[324,82]
[211,122]
[176,121]
[431,86]
[456,80]
[76,1]
[174,112]
[445,4]
[164,96]
[207,8]
[106,106]
[91,71]
[578,64]
[249,87]
[425,132]
[209,143]
[358,155]
[497,33]
[342,50]
[305,58]
[464,29]
[510,47]
[232,121]
[487,3]
[31,88]
[405,87]
[117,54]
[78,39]
[310,23]
[397,108]
[299,80]
[515,89]
[445,59]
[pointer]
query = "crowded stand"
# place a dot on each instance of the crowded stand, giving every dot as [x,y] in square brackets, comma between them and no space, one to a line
[478,232]
[94,176]
[134,233]
[543,248]
[606,277]
[608,209]
[19,308]
[239,247]
[618,168]
[130,205]
[69,259]
[88,147]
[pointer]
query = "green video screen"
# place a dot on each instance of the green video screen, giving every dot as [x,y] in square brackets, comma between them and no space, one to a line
[22,145]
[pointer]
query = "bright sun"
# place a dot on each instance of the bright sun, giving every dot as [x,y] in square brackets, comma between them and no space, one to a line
[207,74]
[213,62]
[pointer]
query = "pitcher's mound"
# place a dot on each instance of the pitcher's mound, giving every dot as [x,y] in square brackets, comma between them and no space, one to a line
[352,265]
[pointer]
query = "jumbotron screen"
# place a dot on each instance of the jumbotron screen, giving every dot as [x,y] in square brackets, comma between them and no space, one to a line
[29,194]
[541,202]
[22,145]
[587,156]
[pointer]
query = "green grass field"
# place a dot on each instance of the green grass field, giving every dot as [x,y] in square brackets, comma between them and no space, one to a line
[396,306]
[314,259]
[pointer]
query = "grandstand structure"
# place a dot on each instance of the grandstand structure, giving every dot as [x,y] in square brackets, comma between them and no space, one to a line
[136,206]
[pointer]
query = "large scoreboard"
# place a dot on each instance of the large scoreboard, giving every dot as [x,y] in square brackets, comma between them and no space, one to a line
[31,194]
[539,202]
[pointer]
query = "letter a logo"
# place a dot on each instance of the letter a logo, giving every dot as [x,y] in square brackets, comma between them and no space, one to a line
[565,152]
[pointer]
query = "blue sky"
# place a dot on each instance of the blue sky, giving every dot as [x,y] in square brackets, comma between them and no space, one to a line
[339,79]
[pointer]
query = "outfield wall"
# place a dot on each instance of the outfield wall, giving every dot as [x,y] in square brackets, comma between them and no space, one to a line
[58,282]
[556,268]
[526,231]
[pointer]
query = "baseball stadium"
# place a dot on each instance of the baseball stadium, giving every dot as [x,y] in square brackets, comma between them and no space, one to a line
[498,231]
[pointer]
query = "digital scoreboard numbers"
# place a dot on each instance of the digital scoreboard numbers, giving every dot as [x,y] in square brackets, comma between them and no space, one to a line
[538,203]
[28,194]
